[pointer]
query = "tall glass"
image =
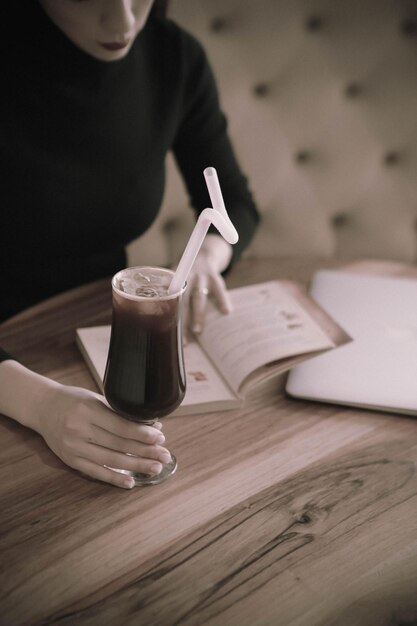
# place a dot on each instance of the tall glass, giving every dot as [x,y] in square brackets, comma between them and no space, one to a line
[144,378]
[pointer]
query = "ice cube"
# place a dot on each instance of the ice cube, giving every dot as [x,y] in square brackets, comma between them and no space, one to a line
[128,286]
[147,292]
[141,278]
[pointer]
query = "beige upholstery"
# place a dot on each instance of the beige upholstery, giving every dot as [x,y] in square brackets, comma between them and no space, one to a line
[321,98]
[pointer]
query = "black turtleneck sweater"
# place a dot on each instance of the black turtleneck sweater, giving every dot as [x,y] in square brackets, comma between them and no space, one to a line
[83,146]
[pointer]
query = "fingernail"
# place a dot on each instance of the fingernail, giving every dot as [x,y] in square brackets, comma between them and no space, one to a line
[197,328]
[129,483]
[155,468]
[165,457]
[160,438]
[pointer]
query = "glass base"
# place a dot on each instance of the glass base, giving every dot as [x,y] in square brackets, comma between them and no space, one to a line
[141,480]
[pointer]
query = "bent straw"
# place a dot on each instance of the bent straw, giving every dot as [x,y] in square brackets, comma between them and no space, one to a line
[205,219]
[216,216]
[214,190]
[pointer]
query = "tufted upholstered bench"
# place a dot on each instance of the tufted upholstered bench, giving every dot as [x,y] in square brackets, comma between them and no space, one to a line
[321,100]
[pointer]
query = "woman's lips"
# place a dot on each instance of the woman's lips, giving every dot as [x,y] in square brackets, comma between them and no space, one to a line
[114,45]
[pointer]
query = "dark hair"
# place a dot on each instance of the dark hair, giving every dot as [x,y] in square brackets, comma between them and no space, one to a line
[160,8]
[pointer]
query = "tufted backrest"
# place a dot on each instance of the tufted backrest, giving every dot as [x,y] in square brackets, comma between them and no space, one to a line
[321,99]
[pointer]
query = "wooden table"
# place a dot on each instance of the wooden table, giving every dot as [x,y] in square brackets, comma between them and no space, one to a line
[282,513]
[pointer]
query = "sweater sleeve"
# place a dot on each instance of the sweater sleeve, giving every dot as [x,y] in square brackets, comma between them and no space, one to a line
[202,140]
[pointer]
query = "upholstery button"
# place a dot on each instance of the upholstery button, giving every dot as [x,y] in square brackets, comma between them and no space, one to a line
[261,90]
[353,89]
[218,24]
[409,27]
[314,23]
[340,220]
[303,156]
[392,157]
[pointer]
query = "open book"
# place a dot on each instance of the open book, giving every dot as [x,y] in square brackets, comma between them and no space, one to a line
[273,326]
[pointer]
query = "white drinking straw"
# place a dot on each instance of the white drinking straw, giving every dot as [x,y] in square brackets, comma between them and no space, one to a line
[214,190]
[216,216]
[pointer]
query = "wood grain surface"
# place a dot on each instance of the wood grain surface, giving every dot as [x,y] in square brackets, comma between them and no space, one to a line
[281,513]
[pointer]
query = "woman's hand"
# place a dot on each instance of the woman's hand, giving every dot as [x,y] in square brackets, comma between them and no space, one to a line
[80,428]
[84,433]
[205,280]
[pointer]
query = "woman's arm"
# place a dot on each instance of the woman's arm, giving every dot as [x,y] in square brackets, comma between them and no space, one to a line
[201,141]
[79,427]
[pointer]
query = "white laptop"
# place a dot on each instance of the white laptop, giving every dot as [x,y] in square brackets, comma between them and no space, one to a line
[378,369]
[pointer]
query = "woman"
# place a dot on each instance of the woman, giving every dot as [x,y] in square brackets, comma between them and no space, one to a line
[98,91]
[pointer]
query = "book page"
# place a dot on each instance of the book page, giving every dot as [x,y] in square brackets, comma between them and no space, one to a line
[267,324]
[204,383]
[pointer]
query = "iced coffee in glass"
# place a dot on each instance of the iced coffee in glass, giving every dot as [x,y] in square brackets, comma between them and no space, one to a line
[145,377]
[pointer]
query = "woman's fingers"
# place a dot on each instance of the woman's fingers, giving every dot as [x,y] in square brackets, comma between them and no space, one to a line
[98,472]
[107,440]
[126,429]
[220,293]
[208,285]
[111,458]
[199,297]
